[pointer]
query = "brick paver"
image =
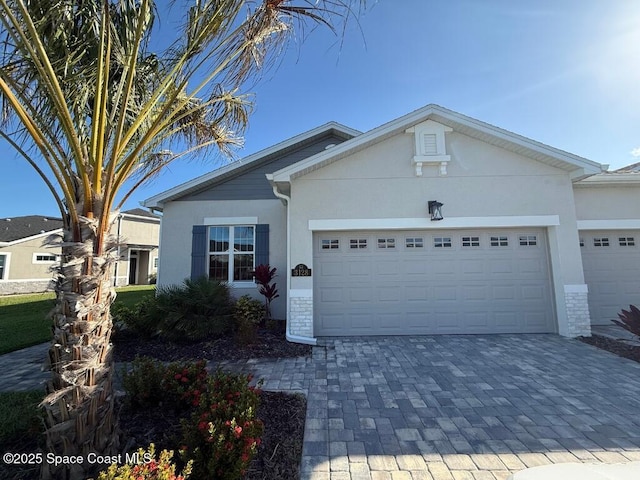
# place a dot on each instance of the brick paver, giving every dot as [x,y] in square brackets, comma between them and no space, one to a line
[443,407]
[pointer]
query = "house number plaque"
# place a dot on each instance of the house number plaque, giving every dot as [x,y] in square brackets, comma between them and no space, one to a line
[301,270]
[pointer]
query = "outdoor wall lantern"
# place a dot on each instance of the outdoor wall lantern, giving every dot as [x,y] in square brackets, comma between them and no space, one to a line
[435,210]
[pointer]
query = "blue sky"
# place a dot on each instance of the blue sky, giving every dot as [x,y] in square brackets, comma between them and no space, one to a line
[563,72]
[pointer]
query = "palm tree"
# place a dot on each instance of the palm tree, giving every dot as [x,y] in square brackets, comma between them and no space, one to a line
[90,106]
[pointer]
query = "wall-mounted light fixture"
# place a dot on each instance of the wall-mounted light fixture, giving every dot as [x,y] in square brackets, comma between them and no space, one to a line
[435,210]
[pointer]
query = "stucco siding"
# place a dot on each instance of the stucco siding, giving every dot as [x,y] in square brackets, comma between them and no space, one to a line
[139,231]
[482,181]
[175,240]
[607,202]
[22,266]
[252,185]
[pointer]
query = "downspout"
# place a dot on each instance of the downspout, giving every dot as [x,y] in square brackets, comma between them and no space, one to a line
[290,336]
[115,274]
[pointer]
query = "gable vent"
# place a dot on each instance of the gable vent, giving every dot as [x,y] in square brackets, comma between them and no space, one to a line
[430,144]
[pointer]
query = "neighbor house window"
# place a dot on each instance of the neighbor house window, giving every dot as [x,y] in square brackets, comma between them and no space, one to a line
[155,262]
[470,241]
[43,258]
[601,242]
[582,242]
[499,241]
[231,253]
[626,241]
[3,266]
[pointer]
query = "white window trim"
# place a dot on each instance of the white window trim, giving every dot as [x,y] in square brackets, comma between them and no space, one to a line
[35,261]
[233,283]
[230,221]
[7,265]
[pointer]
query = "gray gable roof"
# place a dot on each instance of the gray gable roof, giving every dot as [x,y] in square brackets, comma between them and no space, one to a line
[245,178]
[17,228]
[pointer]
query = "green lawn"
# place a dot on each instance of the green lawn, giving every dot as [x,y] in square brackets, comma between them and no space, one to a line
[23,318]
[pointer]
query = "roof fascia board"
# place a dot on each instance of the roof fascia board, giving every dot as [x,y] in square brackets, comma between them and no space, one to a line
[447,117]
[611,179]
[156,202]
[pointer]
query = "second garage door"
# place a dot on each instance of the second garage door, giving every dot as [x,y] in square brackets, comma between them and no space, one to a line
[611,261]
[412,282]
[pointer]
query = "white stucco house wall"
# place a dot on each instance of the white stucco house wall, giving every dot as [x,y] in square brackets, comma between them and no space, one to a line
[533,239]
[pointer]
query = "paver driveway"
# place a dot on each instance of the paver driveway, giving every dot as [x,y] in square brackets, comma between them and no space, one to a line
[465,407]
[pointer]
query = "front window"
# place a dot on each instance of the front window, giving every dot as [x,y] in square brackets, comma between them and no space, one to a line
[3,263]
[231,253]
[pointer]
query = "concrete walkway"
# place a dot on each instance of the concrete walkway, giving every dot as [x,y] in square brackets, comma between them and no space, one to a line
[456,407]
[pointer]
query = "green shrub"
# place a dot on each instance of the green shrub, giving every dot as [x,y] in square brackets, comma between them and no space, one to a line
[148,468]
[177,385]
[248,313]
[143,383]
[223,433]
[141,318]
[195,310]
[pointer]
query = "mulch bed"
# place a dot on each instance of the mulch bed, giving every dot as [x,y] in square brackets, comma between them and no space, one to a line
[618,347]
[268,344]
[283,414]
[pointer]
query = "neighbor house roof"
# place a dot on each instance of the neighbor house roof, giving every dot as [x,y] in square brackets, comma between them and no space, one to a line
[249,162]
[21,228]
[578,167]
[141,212]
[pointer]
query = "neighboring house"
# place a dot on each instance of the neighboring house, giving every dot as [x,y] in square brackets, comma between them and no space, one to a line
[533,239]
[27,260]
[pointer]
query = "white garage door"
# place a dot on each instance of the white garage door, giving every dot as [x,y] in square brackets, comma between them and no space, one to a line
[611,262]
[403,282]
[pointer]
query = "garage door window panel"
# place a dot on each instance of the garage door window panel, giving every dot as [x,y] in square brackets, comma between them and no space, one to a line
[470,241]
[499,241]
[528,240]
[442,242]
[330,244]
[601,241]
[626,241]
[414,242]
[358,244]
[386,243]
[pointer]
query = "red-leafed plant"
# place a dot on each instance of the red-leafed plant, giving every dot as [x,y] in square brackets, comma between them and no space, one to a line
[264,275]
[629,320]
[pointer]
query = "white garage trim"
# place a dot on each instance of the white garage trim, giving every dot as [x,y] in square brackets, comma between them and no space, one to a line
[615,224]
[425,223]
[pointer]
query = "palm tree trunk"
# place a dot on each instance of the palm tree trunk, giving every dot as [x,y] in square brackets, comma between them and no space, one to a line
[79,406]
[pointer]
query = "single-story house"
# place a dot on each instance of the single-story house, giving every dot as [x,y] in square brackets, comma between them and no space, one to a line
[26,260]
[433,223]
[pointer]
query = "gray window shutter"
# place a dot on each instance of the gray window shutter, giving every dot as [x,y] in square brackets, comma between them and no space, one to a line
[198,251]
[262,244]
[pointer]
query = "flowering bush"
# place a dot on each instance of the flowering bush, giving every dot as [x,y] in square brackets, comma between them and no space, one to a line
[224,433]
[151,469]
[184,383]
[178,384]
